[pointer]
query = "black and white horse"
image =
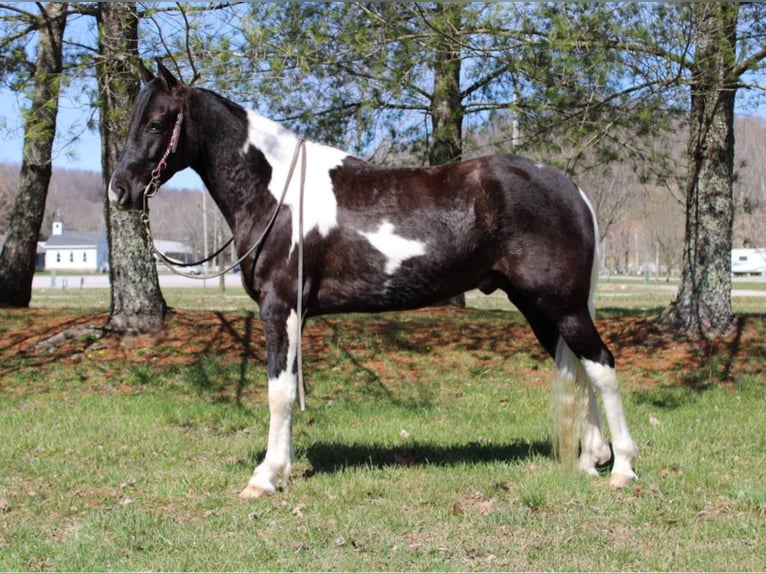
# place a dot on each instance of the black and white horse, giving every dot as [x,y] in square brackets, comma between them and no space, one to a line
[381,238]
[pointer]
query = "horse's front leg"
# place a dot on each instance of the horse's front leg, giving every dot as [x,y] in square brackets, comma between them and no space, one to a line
[280,325]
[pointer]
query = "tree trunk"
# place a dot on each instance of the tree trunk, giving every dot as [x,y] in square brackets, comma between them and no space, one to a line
[17,259]
[446,101]
[137,304]
[703,305]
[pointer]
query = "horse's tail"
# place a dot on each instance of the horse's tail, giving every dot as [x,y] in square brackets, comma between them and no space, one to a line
[570,385]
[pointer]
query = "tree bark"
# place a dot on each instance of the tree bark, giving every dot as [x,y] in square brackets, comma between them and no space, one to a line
[17,259]
[137,304]
[446,101]
[702,307]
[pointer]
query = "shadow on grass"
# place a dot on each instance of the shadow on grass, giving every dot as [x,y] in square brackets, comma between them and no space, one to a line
[45,341]
[241,337]
[712,363]
[621,312]
[668,397]
[328,457]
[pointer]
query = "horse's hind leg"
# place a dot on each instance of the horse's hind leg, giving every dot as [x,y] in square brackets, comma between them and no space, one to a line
[577,415]
[581,337]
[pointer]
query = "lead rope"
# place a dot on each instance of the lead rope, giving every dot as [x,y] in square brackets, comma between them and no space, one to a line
[154,187]
[299,358]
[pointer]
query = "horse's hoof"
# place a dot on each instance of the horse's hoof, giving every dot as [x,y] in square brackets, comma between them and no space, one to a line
[252,491]
[588,470]
[621,480]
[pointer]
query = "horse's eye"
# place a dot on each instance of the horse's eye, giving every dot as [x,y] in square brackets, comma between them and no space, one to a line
[155,126]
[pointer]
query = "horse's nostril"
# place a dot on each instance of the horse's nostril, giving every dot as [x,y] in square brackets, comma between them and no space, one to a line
[118,193]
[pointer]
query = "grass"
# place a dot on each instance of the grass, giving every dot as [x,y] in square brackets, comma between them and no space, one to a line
[424,447]
[187,298]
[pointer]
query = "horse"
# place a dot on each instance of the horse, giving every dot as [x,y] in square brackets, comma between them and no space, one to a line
[345,235]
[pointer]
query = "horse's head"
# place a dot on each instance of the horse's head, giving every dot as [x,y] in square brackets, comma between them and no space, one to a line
[155,148]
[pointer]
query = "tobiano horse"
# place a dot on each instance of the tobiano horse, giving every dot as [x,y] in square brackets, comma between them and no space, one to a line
[384,238]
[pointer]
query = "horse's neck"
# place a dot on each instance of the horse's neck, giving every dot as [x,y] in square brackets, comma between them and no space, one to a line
[236,177]
[249,161]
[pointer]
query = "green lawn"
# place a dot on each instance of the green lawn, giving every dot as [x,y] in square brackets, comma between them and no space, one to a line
[424,447]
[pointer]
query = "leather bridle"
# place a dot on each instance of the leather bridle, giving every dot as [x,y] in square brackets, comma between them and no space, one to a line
[154,183]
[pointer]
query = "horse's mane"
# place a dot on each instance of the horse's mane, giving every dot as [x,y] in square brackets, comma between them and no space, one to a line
[230,105]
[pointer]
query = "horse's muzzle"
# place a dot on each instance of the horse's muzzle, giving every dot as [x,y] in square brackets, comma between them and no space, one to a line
[120,196]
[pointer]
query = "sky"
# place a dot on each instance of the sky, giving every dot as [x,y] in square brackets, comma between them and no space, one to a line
[75,146]
[84,152]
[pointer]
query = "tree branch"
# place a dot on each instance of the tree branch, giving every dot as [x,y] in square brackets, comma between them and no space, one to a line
[750,62]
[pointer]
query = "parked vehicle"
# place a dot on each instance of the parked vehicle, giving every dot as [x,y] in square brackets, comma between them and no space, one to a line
[748,261]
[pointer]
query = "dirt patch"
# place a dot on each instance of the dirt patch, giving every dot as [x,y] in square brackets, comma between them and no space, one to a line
[638,342]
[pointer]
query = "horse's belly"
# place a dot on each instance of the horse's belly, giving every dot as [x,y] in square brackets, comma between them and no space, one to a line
[404,290]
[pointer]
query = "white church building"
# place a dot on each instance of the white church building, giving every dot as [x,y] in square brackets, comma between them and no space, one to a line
[75,250]
[89,251]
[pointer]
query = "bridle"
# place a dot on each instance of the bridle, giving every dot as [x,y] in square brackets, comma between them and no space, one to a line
[154,183]
[151,190]
[153,187]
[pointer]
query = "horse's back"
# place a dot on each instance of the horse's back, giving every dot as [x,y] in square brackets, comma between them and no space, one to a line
[502,183]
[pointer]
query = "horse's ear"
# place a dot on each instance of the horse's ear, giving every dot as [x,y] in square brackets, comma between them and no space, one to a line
[168,80]
[146,75]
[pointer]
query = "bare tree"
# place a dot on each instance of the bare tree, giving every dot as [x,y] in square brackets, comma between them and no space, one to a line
[17,259]
[750,183]
[664,233]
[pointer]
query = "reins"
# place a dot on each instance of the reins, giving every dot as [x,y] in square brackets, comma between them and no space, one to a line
[154,186]
[299,304]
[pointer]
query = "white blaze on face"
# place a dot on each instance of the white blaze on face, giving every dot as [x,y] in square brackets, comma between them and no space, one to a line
[395,248]
[111,193]
[278,144]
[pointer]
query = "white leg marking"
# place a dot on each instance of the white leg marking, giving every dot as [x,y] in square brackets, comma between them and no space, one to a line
[278,145]
[578,417]
[625,452]
[394,247]
[275,469]
[595,450]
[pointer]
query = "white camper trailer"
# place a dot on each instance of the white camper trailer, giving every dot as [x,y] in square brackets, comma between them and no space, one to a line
[748,261]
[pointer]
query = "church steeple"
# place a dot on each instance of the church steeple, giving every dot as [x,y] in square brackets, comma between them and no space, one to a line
[58,225]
